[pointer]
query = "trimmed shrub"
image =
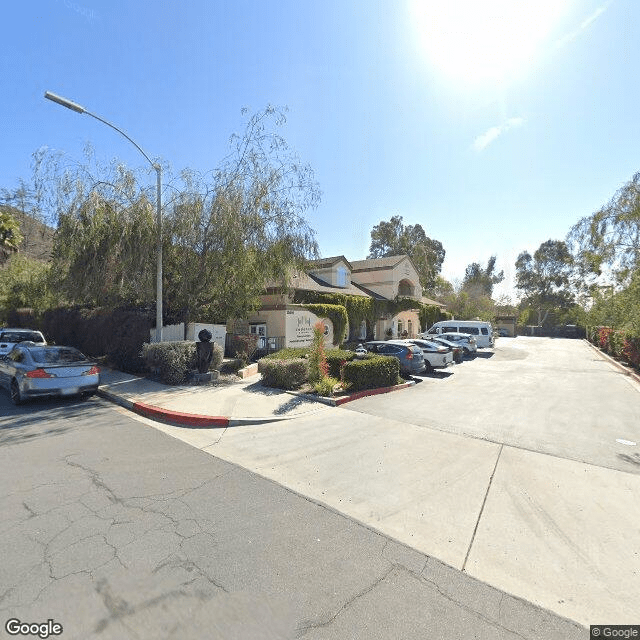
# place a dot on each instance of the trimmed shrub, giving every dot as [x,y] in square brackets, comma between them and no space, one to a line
[283,374]
[336,358]
[378,371]
[289,353]
[172,361]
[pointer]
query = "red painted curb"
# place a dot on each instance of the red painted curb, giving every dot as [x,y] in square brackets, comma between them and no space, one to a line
[371,392]
[186,419]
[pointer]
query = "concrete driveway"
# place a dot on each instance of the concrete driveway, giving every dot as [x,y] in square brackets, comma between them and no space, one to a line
[507,470]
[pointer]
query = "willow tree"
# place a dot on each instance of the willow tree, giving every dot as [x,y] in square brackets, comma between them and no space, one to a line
[226,233]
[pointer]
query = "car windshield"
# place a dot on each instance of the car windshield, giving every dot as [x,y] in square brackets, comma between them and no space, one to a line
[20,336]
[56,355]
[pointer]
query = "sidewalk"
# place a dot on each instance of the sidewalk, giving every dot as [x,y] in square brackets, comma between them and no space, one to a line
[227,403]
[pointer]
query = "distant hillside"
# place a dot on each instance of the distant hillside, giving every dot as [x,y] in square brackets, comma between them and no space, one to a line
[38,237]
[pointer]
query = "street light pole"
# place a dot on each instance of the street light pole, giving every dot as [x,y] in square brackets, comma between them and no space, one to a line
[80,109]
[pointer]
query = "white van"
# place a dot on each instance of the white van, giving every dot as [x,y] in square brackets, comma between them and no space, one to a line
[481,331]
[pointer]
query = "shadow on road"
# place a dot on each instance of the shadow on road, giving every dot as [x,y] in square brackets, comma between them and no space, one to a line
[30,420]
[485,355]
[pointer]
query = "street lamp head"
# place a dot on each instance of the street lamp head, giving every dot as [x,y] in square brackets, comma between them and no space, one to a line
[64,102]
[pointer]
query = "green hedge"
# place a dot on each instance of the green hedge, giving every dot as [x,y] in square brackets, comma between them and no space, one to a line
[283,374]
[172,361]
[289,353]
[378,371]
[335,359]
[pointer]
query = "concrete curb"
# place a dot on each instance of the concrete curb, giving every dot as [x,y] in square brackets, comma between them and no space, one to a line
[197,421]
[165,415]
[621,367]
[336,402]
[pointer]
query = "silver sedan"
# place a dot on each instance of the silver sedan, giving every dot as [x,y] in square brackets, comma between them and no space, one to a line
[30,370]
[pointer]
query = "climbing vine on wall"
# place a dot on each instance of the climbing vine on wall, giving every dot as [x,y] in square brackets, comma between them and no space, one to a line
[359,308]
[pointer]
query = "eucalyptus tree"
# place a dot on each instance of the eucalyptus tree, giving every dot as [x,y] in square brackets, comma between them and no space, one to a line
[545,278]
[392,238]
[478,281]
[609,239]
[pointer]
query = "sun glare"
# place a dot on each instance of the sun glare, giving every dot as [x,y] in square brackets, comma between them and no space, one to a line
[484,41]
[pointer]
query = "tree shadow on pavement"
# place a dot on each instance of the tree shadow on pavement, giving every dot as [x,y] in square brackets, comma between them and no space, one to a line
[44,417]
[291,405]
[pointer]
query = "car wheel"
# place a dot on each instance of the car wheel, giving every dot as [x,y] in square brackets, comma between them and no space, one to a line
[16,398]
[466,352]
[428,367]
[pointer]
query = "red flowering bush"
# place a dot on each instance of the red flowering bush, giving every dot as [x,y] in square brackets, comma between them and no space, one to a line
[631,350]
[604,334]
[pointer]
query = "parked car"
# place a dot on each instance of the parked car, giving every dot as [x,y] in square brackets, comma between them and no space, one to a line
[410,356]
[466,341]
[9,338]
[456,349]
[436,356]
[361,351]
[503,333]
[480,330]
[32,369]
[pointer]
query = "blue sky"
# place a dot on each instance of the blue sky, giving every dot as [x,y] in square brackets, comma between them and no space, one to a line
[494,124]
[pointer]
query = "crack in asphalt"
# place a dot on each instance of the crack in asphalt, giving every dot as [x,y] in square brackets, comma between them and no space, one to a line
[308,627]
[470,610]
[156,503]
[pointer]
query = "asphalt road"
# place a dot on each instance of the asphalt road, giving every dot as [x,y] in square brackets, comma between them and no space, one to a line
[552,396]
[115,530]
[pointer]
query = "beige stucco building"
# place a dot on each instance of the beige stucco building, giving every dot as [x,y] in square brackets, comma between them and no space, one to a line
[381,278]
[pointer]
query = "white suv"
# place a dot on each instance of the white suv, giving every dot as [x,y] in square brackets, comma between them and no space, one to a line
[9,338]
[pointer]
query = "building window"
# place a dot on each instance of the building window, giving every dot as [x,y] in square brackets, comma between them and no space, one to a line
[342,277]
[399,328]
[410,328]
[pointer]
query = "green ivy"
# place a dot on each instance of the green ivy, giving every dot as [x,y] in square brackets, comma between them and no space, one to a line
[360,308]
[337,314]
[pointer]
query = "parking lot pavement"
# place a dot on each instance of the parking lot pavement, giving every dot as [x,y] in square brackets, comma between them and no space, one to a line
[540,524]
[547,395]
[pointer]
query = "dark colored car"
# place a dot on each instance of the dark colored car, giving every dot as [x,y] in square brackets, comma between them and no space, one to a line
[32,369]
[410,356]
